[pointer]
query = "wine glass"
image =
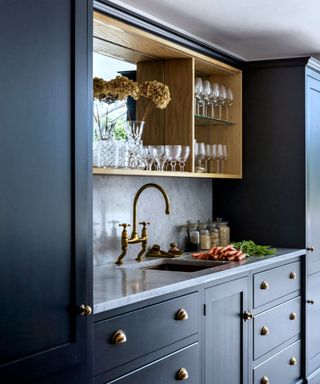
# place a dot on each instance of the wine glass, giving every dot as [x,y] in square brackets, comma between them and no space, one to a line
[221,99]
[198,88]
[224,156]
[147,157]
[220,157]
[185,152]
[207,157]
[228,101]
[214,97]
[174,152]
[162,155]
[206,96]
[153,150]
[214,154]
[199,152]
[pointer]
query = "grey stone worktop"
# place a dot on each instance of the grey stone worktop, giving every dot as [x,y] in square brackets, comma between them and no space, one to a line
[119,286]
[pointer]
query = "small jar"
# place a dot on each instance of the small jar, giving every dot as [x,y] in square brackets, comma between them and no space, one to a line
[205,241]
[214,234]
[224,232]
[192,238]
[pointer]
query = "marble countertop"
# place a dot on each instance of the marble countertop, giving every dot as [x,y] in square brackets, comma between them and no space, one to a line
[133,282]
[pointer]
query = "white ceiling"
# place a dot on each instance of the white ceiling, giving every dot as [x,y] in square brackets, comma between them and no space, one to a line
[249,29]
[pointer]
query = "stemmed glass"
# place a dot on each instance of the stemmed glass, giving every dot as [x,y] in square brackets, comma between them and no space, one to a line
[173,154]
[220,157]
[221,99]
[159,155]
[228,101]
[224,156]
[207,157]
[185,152]
[206,97]
[147,157]
[214,97]
[214,153]
[198,88]
[199,152]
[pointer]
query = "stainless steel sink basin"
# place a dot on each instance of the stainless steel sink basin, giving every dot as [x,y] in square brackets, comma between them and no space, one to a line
[185,265]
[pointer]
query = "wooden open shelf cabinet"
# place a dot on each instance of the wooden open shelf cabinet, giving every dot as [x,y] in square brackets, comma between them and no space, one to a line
[176,66]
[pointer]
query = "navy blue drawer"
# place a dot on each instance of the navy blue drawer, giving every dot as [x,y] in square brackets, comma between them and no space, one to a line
[178,366]
[276,282]
[146,330]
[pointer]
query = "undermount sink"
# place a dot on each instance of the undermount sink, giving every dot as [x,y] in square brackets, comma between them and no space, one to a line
[185,265]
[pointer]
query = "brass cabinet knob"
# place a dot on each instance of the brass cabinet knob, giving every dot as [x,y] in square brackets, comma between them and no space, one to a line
[264,285]
[85,310]
[310,301]
[292,275]
[264,331]
[293,361]
[265,380]
[119,337]
[293,316]
[182,374]
[182,314]
[310,249]
[247,315]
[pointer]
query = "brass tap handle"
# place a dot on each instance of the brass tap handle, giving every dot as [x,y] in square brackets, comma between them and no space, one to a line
[265,380]
[247,315]
[182,314]
[124,225]
[264,331]
[144,223]
[182,374]
[264,285]
[119,337]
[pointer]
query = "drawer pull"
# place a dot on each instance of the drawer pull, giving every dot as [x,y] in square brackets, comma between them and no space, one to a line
[310,249]
[182,314]
[265,380]
[293,316]
[264,285]
[293,361]
[310,301]
[182,374]
[264,331]
[292,275]
[247,315]
[119,337]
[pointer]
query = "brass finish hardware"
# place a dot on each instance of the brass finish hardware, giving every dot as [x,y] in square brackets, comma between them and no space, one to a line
[119,337]
[310,249]
[293,316]
[265,380]
[182,374]
[182,314]
[264,331]
[85,310]
[310,301]
[264,285]
[134,238]
[247,315]
[293,361]
[292,275]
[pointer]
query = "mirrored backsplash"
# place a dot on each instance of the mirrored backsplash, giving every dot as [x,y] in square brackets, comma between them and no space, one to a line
[190,199]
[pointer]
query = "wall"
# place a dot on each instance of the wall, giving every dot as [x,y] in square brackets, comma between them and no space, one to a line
[190,199]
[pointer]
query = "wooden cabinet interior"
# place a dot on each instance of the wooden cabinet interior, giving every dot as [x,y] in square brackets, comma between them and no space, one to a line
[164,61]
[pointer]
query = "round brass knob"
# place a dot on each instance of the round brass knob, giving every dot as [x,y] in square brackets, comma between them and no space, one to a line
[247,315]
[310,249]
[310,301]
[85,310]
[182,374]
[293,361]
[182,314]
[292,275]
[119,337]
[264,285]
[293,316]
[265,380]
[264,331]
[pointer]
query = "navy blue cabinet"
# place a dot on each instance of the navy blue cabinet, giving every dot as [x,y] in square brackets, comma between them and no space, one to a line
[45,196]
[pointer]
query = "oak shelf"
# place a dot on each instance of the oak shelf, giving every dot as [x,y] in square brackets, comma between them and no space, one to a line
[201,120]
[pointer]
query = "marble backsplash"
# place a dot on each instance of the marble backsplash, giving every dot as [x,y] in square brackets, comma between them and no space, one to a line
[190,199]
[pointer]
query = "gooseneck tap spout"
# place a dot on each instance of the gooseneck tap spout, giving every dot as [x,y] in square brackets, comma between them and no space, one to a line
[134,238]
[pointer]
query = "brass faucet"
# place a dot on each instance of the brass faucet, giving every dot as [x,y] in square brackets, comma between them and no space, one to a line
[134,238]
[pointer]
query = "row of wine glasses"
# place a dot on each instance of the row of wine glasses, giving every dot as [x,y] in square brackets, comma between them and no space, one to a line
[203,153]
[161,157]
[209,95]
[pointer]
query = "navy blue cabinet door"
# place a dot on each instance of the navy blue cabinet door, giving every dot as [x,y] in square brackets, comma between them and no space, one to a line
[226,334]
[45,188]
[313,169]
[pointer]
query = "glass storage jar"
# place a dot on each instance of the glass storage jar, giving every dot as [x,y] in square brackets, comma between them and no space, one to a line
[214,234]
[224,232]
[192,238]
[205,242]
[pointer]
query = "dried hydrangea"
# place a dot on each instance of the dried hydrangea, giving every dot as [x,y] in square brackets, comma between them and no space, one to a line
[157,92]
[121,87]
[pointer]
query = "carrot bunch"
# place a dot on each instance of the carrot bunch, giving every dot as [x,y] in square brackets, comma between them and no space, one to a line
[228,253]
